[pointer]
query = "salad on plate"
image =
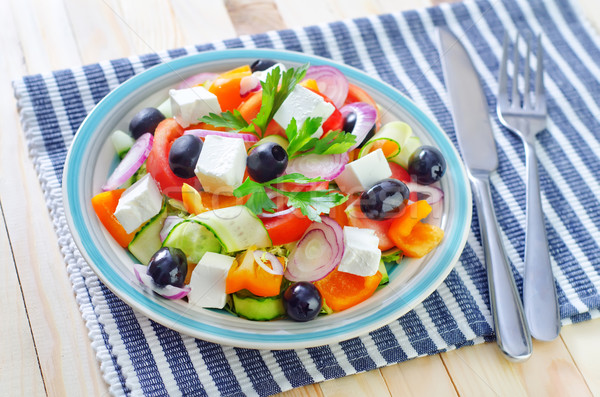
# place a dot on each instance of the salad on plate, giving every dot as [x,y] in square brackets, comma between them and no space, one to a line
[270,192]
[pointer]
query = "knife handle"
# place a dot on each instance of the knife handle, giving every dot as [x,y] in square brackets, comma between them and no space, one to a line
[512,334]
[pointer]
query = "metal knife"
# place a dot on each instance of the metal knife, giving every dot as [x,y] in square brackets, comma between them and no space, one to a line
[476,141]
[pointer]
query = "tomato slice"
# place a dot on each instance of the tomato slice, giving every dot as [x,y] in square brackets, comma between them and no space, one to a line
[335,121]
[357,218]
[286,228]
[398,172]
[157,163]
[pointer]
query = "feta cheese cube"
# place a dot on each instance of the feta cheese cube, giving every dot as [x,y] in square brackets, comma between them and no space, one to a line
[364,172]
[221,164]
[190,104]
[208,281]
[139,203]
[262,75]
[361,255]
[301,104]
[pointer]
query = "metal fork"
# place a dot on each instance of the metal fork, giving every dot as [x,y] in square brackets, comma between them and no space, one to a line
[527,118]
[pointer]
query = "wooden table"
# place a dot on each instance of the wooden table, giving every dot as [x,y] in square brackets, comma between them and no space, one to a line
[44,348]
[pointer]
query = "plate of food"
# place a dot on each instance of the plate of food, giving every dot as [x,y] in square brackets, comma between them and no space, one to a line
[265,199]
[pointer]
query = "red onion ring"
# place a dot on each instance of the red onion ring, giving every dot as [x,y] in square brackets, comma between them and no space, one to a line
[277,266]
[327,239]
[249,84]
[168,291]
[203,133]
[432,193]
[327,166]
[366,116]
[331,82]
[132,161]
[196,79]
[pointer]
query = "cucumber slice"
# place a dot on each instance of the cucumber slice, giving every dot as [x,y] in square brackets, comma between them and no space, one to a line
[258,308]
[395,131]
[237,228]
[410,145]
[278,139]
[193,239]
[165,108]
[147,241]
[385,277]
[122,142]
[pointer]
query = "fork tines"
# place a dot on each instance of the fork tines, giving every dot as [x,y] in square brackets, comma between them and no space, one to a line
[514,103]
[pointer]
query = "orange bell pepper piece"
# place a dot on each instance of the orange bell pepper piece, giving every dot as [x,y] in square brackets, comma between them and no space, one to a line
[415,238]
[245,273]
[227,87]
[342,290]
[192,201]
[422,239]
[104,205]
[412,214]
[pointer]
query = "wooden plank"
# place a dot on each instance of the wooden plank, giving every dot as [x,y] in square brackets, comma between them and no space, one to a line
[306,391]
[592,12]
[45,35]
[482,370]
[388,6]
[66,359]
[202,21]
[19,370]
[251,16]
[98,30]
[313,12]
[583,342]
[149,24]
[363,384]
[414,378]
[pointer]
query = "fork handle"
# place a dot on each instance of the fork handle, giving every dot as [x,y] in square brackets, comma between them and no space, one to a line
[539,290]
[512,335]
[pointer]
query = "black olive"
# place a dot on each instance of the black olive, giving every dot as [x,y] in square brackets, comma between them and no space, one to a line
[384,199]
[302,301]
[144,121]
[262,64]
[184,154]
[426,165]
[267,161]
[168,266]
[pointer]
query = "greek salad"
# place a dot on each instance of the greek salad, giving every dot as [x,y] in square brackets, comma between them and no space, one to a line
[271,192]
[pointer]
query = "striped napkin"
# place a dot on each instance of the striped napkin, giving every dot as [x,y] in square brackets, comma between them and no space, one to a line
[141,357]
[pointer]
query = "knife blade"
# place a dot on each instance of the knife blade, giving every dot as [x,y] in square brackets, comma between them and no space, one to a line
[475,138]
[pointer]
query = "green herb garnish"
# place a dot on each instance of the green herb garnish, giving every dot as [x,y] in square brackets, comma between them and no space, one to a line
[311,203]
[273,95]
[302,141]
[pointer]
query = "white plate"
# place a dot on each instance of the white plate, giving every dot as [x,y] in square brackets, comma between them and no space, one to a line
[91,157]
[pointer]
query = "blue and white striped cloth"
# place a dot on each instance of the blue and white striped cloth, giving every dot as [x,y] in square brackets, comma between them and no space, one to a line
[140,357]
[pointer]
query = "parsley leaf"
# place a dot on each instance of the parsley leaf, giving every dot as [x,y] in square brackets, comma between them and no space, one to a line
[275,89]
[226,119]
[311,203]
[302,142]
